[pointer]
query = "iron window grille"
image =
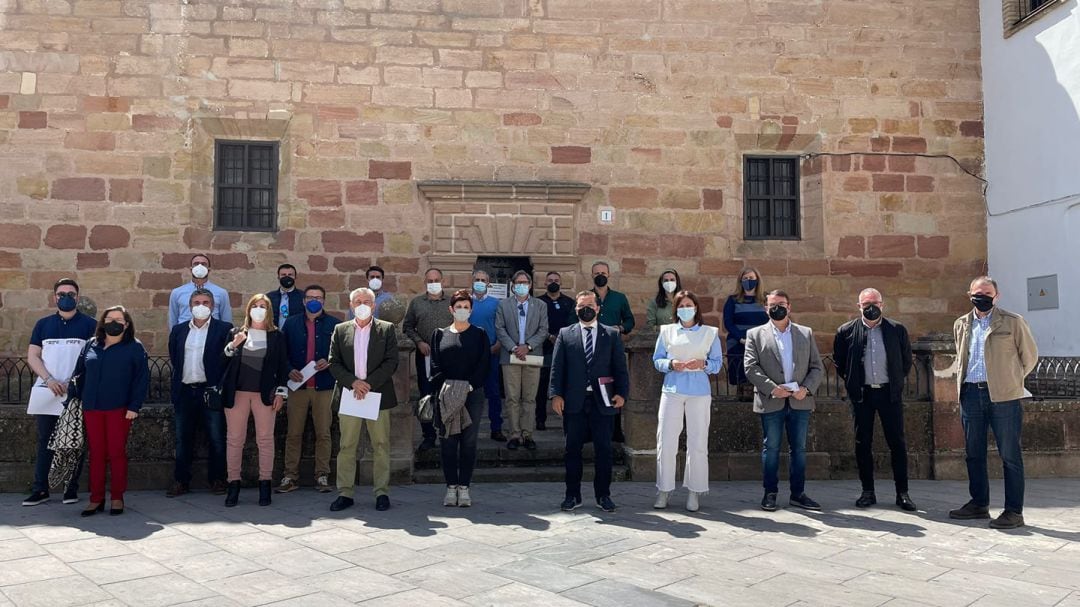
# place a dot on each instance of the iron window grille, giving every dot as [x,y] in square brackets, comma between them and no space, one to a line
[771,198]
[245,185]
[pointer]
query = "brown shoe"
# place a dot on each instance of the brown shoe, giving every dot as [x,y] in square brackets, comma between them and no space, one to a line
[219,487]
[1008,520]
[177,490]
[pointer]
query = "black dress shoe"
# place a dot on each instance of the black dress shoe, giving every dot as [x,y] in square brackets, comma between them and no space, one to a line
[382,503]
[1008,520]
[498,435]
[92,511]
[341,503]
[541,426]
[513,444]
[114,511]
[425,445]
[232,494]
[867,499]
[264,493]
[605,504]
[904,501]
[768,503]
[803,501]
[970,511]
[570,503]
[528,443]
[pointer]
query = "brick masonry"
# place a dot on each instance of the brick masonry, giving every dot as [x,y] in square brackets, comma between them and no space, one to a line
[109,109]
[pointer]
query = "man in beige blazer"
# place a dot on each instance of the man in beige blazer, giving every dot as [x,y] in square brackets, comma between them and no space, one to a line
[783,364]
[363,359]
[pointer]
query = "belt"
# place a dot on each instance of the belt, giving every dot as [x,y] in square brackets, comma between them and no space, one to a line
[876,386]
[978,384]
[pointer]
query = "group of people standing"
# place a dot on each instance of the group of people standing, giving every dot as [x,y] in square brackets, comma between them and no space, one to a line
[289,352]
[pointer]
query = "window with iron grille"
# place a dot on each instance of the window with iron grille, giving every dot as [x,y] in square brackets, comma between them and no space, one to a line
[771,198]
[1030,6]
[245,185]
[1017,14]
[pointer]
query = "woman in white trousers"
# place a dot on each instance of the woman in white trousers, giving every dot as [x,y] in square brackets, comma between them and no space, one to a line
[686,353]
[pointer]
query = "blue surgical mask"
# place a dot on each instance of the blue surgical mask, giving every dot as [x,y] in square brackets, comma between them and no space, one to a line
[479,287]
[686,314]
[749,285]
[521,290]
[314,306]
[67,303]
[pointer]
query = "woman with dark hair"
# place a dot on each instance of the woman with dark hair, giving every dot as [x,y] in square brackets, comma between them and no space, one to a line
[256,371]
[459,367]
[686,353]
[660,310]
[743,310]
[111,379]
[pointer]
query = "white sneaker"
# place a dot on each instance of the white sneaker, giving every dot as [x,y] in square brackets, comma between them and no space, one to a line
[322,484]
[463,498]
[451,498]
[661,500]
[692,502]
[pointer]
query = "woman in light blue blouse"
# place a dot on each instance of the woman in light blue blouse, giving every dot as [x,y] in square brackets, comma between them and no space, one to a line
[686,353]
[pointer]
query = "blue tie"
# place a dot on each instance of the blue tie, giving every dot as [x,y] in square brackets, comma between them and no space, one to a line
[588,346]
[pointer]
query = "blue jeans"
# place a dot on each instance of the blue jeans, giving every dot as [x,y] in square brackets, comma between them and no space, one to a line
[45,426]
[186,417]
[493,392]
[772,426]
[1005,418]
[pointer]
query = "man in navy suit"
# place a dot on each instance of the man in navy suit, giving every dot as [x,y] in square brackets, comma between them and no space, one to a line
[588,357]
[196,350]
[286,300]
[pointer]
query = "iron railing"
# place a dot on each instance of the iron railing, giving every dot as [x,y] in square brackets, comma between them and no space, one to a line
[16,379]
[1055,377]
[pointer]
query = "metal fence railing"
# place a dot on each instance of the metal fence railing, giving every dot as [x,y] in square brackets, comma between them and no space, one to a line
[1055,377]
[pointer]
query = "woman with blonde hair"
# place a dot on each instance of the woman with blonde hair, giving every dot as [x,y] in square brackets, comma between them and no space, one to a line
[254,385]
[743,310]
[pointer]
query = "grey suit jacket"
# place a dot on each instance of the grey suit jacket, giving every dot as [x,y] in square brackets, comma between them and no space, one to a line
[506,327]
[765,371]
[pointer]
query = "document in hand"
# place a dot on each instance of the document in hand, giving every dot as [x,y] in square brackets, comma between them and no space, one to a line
[308,371]
[531,360]
[791,385]
[607,390]
[367,407]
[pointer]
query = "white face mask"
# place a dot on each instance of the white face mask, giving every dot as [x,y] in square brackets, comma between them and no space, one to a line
[258,314]
[362,311]
[200,271]
[200,312]
[669,286]
[434,288]
[462,314]
[374,284]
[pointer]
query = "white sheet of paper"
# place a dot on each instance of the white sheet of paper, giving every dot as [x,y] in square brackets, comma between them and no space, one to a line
[531,360]
[367,407]
[59,356]
[793,386]
[308,371]
[427,366]
[43,401]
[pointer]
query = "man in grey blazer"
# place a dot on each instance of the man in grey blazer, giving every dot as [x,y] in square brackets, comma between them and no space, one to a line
[521,325]
[783,364]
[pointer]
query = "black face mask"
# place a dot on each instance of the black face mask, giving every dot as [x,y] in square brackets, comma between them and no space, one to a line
[600,280]
[871,312]
[553,287]
[982,303]
[586,314]
[778,312]
[113,328]
[287,282]
[67,303]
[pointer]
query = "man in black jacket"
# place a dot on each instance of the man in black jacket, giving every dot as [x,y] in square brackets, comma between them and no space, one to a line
[873,356]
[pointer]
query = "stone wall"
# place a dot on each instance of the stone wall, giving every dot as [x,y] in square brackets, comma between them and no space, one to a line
[109,110]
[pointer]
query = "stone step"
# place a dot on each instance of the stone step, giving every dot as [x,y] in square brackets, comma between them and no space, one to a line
[518,474]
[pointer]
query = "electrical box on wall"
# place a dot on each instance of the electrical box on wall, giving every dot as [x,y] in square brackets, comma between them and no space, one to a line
[1042,292]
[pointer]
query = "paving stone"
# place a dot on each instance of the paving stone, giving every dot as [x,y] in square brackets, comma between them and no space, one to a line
[454,580]
[389,558]
[59,592]
[159,591]
[358,584]
[259,588]
[631,570]
[543,574]
[20,548]
[211,566]
[1025,592]
[334,540]
[933,592]
[33,569]
[412,598]
[119,568]
[609,593]
[88,549]
[479,555]
[520,595]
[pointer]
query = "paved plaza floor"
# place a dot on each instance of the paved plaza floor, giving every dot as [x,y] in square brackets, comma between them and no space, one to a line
[514,547]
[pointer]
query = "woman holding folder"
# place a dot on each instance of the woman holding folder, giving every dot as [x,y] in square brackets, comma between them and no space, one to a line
[256,371]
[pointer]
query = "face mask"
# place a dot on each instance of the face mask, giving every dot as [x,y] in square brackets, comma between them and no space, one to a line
[113,328]
[748,285]
[287,282]
[686,314]
[374,284]
[669,286]
[521,290]
[314,306]
[434,288]
[67,303]
[586,314]
[462,314]
[871,312]
[600,280]
[258,314]
[200,312]
[553,287]
[982,303]
[200,271]
[362,311]
[479,287]
[778,312]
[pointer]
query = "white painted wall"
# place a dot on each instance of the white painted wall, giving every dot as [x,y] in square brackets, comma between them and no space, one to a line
[1031,86]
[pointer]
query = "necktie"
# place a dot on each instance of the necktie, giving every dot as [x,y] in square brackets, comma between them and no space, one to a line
[588,346]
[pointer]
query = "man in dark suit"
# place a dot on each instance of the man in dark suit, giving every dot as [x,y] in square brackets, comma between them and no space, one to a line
[588,357]
[363,358]
[196,348]
[873,356]
[287,300]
